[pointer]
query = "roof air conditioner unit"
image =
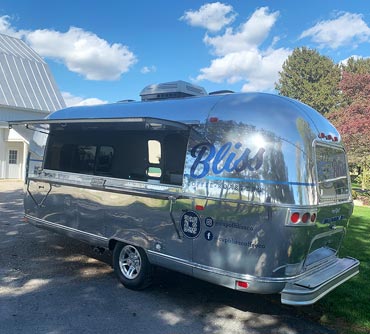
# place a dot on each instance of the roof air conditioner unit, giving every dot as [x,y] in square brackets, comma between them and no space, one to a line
[171,90]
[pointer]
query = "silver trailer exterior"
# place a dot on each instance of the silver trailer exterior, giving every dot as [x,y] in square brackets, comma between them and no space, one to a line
[248,191]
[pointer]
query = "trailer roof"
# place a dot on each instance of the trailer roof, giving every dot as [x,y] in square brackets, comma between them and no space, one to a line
[192,108]
[285,117]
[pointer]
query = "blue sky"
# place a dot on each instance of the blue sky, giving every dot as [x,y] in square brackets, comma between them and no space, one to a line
[106,51]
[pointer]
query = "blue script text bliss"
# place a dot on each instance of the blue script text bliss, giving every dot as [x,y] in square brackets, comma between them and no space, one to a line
[219,160]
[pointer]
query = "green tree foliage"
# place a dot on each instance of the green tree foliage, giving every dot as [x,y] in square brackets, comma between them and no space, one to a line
[311,78]
[357,66]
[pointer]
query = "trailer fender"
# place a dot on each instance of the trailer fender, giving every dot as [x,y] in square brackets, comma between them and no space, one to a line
[130,238]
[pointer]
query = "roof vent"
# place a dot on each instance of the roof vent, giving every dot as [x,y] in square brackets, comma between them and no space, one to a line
[171,90]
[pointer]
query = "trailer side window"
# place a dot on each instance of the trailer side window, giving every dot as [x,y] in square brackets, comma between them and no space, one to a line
[154,156]
[154,151]
[332,174]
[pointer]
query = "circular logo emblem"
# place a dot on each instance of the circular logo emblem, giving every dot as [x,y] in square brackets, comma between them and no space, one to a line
[190,224]
[209,221]
[208,235]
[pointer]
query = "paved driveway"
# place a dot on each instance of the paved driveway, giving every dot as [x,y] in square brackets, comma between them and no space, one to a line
[52,284]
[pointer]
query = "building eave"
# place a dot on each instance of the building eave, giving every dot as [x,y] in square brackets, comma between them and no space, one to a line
[5,106]
[4,125]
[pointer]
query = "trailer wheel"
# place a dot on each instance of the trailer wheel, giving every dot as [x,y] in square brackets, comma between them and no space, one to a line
[132,267]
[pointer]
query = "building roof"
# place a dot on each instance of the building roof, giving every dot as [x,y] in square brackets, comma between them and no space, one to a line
[25,79]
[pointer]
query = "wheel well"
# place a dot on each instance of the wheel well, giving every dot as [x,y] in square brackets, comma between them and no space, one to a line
[113,243]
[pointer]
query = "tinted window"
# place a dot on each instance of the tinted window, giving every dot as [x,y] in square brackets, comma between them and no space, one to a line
[332,172]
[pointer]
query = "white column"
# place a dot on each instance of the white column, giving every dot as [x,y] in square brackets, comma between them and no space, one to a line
[2,153]
[25,154]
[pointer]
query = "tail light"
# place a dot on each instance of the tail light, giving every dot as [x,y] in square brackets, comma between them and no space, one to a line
[322,135]
[242,285]
[301,218]
[306,217]
[294,218]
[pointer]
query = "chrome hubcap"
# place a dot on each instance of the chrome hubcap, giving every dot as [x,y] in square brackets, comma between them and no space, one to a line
[130,262]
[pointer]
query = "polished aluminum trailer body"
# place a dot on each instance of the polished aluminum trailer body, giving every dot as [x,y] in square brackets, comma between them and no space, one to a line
[249,191]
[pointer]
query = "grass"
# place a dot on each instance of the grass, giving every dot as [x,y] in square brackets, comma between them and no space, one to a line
[347,308]
[355,185]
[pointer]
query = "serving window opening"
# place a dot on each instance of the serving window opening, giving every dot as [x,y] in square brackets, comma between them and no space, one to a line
[125,150]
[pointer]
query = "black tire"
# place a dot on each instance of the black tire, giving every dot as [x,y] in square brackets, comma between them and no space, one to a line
[132,267]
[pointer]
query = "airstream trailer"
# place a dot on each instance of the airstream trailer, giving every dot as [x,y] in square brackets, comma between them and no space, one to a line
[250,191]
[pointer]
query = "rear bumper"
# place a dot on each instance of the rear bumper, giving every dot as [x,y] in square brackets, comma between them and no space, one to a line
[304,289]
[309,289]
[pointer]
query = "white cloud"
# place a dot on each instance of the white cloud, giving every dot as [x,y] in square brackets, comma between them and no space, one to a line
[212,16]
[148,69]
[249,35]
[83,52]
[345,29]
[232,67]
[266,70]
[240,57]
[7,29]
[355,57]
[72,100]
[258,69]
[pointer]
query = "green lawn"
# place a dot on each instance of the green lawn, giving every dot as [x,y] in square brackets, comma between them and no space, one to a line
[347,308]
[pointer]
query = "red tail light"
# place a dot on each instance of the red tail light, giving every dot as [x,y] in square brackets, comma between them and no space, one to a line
[294,217]
[306,217]
[242,284]
[301,217]
[322,135]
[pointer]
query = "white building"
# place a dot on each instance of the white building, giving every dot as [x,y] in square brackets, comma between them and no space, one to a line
[27,91]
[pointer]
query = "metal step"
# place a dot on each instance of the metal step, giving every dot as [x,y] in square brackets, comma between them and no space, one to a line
[317,284]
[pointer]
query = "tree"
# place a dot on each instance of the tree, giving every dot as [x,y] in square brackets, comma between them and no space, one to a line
[356,65]
[311,78]
[353,120]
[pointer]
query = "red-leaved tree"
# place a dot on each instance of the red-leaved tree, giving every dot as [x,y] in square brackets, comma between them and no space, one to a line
[353,118]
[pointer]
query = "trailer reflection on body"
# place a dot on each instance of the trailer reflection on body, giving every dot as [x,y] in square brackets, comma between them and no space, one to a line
[248,191]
